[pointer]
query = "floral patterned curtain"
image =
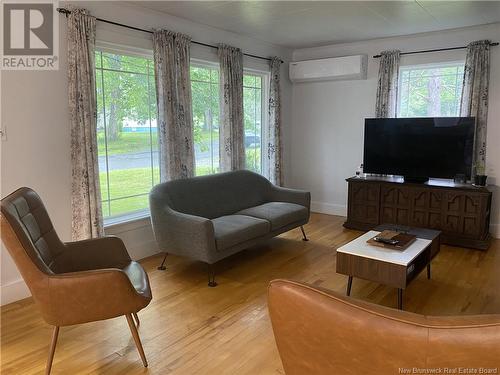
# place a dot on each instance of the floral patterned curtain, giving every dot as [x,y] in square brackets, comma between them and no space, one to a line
[173,90]
[475,97]
[87,220]
[387,89]
[274,145]
[231,128]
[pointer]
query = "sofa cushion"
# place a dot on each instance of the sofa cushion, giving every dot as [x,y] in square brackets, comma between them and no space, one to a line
[231,230]
[279,214]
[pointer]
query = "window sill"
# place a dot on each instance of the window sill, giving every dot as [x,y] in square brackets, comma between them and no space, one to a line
[124,223]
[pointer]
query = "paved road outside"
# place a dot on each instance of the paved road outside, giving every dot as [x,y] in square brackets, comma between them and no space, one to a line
[143,159]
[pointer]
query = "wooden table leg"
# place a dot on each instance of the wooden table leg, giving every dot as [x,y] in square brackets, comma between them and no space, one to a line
[429,271]
[349,285]
[400,299]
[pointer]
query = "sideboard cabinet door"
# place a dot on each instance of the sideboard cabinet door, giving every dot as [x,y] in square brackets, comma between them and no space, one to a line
[363,203]
[462,214]
[427,208]
[395,204]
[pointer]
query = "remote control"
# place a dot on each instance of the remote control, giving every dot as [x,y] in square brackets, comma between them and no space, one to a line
[387,241]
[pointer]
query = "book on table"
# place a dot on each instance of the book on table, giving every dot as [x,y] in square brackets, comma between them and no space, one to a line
[392,240]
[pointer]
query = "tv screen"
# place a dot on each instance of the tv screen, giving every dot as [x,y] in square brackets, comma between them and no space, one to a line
[439,147]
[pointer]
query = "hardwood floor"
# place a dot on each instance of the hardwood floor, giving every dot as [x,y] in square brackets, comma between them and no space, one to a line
[191,329]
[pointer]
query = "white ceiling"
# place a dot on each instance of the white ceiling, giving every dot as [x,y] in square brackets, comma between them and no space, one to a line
[297,24]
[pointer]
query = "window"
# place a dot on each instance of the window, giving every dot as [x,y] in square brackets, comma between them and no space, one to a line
[253,119]
[205,92]
[205,97]
[127,135]
[126,132]
[430,90]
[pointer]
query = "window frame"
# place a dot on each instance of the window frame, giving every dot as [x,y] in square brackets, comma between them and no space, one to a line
[106,47]
[266,76]
[204,64]
[441,64]
[264,120]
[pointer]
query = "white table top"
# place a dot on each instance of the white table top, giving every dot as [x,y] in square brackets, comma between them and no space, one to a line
[359,247]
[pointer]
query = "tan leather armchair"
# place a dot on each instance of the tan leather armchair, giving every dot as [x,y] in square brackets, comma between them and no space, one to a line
[75,282]
[322,332]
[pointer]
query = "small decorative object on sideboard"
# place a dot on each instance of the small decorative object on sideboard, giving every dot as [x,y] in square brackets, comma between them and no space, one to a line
[480,177]
[460,178]
[359,171]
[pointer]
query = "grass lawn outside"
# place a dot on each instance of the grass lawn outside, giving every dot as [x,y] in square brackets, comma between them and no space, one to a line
[129,143]
[126,143]
[129,189]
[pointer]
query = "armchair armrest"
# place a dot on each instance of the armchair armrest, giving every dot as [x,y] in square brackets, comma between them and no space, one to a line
[280,194]
[90,296]
[183,234]
[98,253]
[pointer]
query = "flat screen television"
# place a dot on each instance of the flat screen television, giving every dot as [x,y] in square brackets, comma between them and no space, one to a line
[419,148]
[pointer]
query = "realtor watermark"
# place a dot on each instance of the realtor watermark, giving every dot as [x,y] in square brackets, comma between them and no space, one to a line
[30,35]
[448,370]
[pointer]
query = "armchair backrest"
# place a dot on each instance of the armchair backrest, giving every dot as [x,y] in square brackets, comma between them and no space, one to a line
[214,195]
[322,332]
[26,215]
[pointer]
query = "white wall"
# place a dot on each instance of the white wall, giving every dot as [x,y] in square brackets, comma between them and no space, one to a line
[328,117]
[35,111]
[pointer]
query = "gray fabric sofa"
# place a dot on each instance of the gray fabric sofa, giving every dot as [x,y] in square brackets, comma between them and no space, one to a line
[209,218]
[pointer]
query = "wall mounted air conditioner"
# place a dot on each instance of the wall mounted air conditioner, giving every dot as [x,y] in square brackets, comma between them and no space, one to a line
[331,69]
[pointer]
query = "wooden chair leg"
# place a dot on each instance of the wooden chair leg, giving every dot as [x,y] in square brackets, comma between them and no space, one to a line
[137,339]
[136,318]
[55,334]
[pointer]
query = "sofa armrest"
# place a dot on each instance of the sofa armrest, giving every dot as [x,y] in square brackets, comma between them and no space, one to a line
[280,194]
[183,234]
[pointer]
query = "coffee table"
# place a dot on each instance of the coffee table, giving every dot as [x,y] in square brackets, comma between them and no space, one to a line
[390,267]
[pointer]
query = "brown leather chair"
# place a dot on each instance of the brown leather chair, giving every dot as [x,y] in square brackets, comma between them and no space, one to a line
[322,332]
[74,282]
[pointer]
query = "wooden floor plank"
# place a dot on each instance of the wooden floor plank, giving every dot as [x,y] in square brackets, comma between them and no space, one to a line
[192,329]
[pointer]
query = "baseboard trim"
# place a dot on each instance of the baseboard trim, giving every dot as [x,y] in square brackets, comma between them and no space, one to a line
[329,208]
[14,291]
[143,250]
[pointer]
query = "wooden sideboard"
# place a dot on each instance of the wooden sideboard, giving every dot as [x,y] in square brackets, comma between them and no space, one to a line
[460,211]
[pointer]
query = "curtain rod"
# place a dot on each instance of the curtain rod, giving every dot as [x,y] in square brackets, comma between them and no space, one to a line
[67,11]
[435,50]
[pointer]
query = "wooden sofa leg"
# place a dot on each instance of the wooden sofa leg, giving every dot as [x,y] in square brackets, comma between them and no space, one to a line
[137,339]
[55,335]
[162,265]
[211,276]
[304,237]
